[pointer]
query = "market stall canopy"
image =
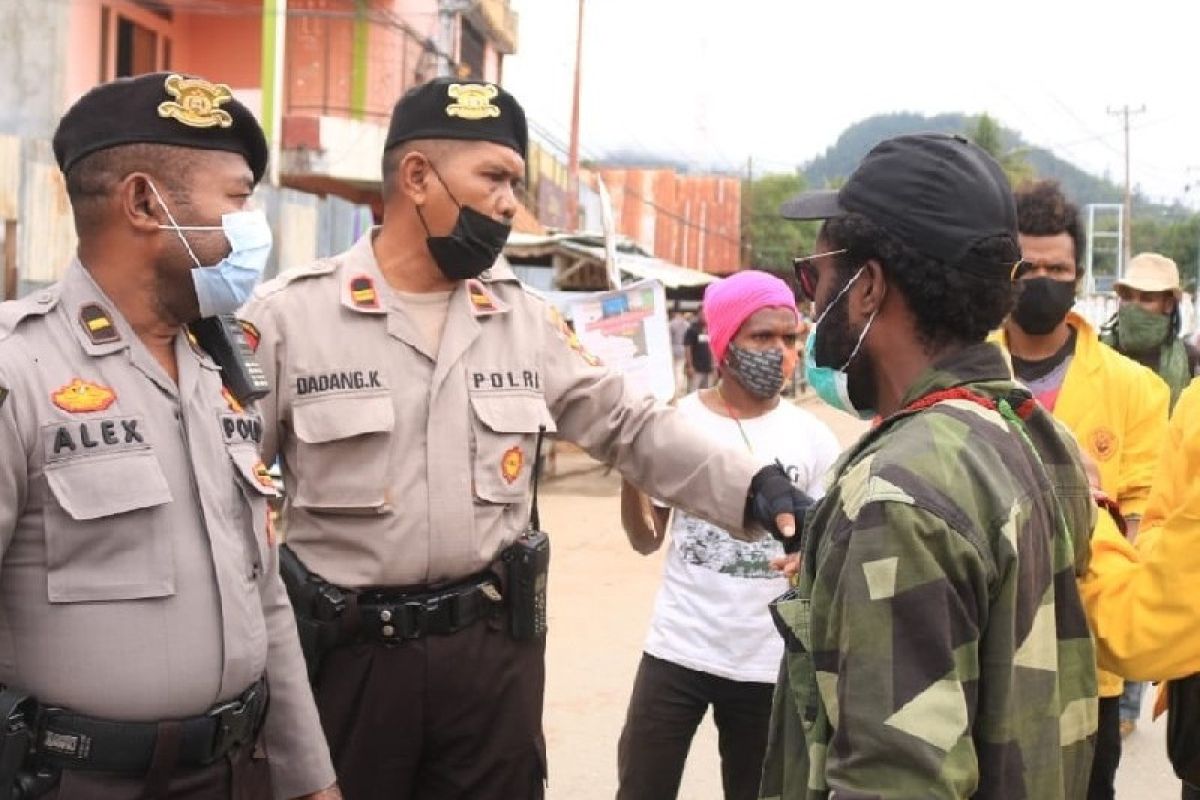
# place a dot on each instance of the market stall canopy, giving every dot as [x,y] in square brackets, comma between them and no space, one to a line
[577,261]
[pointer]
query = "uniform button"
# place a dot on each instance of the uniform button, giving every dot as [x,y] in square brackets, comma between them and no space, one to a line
[44,297]
[385,615]
[388,630]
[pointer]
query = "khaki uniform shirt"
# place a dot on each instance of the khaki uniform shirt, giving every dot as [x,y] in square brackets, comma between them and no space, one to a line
[405,466]
[138,579]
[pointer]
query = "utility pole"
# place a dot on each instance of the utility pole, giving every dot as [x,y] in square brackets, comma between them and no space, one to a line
[1127,217]
[573,155]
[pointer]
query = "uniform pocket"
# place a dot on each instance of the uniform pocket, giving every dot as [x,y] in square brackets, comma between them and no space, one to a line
[505,429]
[792,615]
[105,529]
[343,450]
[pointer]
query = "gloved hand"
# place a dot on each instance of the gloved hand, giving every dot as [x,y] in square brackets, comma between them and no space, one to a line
[776,504]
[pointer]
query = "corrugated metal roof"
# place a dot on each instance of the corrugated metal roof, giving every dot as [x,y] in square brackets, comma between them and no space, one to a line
[631,260]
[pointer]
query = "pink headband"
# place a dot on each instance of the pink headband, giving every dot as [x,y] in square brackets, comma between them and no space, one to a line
[730,302]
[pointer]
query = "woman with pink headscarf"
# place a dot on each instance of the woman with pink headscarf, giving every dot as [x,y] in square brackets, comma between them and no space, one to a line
[711,640]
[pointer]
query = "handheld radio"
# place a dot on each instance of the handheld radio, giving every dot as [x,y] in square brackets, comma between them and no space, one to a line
[527,566]
[225,342]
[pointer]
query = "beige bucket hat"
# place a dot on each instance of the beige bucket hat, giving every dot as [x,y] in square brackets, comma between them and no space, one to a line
[1151,272]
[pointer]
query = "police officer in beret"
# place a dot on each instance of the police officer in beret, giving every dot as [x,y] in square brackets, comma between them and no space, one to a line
[147,646]
[413,373]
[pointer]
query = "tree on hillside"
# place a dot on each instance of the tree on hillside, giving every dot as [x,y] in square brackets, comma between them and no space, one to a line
[1177,238]
[987,134]
[771,242]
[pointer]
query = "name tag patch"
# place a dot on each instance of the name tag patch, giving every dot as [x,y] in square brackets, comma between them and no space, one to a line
[350,381]
[93,437]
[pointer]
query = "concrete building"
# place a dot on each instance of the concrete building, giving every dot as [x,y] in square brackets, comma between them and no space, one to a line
[692,220]
[322,75]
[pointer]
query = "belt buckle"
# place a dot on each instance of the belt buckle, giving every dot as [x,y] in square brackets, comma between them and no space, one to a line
[232,724]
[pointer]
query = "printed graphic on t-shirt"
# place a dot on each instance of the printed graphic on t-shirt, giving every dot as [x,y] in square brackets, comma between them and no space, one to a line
[704,545]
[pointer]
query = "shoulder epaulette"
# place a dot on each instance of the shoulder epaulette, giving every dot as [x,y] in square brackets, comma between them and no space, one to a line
[323,266]
[38,304]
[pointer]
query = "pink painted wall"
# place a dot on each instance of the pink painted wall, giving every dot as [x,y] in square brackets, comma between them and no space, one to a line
[222,47]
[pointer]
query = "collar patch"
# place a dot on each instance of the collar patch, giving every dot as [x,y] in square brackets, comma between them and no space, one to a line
[98,324]
[362,292]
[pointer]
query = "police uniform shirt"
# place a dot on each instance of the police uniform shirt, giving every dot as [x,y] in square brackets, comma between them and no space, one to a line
[139,578]
[405,466]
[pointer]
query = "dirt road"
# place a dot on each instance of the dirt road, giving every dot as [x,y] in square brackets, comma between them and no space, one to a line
[601,597]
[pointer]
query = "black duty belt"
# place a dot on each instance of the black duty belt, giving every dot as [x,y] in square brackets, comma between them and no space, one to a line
[391,616]
[66,740]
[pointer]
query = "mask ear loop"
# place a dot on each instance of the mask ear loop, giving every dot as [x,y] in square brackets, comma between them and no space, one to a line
[438,175]
[838,296]
[175,225]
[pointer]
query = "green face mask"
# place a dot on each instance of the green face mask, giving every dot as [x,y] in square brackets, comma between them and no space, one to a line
[1139,330]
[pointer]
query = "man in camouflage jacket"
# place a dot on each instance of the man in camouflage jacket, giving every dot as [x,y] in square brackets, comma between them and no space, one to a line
[936,642]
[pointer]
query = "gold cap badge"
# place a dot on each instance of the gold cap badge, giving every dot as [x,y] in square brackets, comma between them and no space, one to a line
[197,102]
[472,100]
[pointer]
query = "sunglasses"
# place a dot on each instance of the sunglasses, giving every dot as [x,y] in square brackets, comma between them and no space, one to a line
[806,272]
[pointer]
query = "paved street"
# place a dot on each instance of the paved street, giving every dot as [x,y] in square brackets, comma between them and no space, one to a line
[601,597]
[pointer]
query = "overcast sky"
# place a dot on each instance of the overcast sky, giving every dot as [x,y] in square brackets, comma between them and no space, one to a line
[780,79]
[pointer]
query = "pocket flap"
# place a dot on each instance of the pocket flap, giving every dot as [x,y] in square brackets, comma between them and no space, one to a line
[513,413]
[102,486]
[330,420]
[250,466]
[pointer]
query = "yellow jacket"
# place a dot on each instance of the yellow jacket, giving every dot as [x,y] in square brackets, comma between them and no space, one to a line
[1142,602]
[1118,411]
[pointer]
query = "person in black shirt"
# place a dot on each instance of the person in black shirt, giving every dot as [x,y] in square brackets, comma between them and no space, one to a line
[699,365]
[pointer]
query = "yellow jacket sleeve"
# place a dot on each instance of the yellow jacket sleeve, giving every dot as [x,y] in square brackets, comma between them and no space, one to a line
[1147,410]
[1142,601]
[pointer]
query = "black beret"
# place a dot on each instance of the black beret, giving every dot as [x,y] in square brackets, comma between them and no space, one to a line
[160,108]
[450,108]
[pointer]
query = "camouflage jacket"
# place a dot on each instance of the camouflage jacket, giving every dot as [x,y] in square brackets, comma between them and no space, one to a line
[936,642]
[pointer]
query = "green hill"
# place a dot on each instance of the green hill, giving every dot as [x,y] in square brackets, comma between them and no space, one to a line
[839,159]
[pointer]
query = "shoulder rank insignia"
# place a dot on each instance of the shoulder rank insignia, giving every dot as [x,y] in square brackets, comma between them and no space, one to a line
[571,338]
[197,102]
[82,397]
[263,475]
[250,331]
[231,401]
[97,324]
[362,292]
[472,101]
[482,301]
[511,463]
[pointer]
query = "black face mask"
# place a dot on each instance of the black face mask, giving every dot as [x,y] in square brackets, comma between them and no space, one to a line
[472,247]
[1042,304]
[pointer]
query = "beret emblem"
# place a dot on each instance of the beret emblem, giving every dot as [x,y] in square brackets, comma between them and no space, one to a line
[197,102]
[472,100]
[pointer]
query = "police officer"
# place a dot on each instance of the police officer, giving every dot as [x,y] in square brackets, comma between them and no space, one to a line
[413,374]
[143,610]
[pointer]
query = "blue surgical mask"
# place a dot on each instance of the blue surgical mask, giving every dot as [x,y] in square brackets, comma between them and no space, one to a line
[833,385]
[225,286]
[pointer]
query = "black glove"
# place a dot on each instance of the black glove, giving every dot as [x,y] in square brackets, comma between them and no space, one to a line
[773,493]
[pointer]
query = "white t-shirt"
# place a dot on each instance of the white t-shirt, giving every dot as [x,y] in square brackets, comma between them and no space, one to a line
[711,612]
